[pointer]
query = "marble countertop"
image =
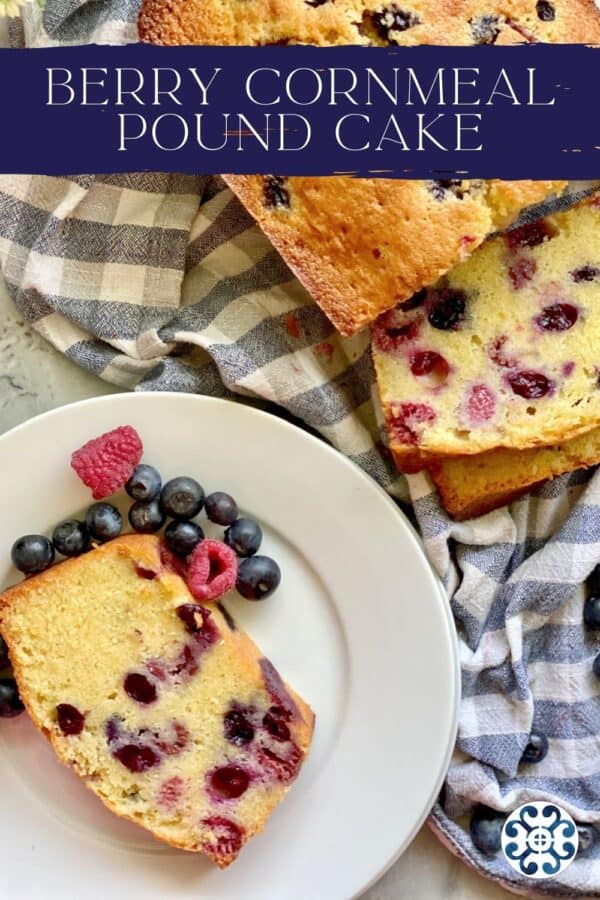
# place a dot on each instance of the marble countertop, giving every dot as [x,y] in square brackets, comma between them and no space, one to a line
[34,378]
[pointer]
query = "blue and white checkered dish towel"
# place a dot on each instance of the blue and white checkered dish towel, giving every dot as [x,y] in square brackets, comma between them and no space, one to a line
[160,282]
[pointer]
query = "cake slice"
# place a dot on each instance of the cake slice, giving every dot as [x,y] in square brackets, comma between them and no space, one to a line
[369,22]
[167,711]
[503,351]
[473,485]
[360,246]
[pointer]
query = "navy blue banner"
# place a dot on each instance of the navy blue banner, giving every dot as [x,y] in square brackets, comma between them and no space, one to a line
[504,112]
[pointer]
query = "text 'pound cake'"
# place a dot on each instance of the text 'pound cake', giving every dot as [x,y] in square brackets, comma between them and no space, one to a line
[169,713]
[503,351]
[362,245]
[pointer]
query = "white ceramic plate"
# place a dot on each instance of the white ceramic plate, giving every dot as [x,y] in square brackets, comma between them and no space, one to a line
[359,626]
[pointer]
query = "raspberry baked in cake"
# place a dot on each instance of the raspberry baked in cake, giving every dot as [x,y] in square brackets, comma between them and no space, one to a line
[503,351]
[168,712]
[362,245]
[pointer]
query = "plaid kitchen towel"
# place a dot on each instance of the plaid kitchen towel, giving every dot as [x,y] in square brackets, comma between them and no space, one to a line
[162,282]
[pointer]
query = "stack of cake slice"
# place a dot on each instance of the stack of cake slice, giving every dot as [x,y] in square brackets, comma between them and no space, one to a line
[490,378]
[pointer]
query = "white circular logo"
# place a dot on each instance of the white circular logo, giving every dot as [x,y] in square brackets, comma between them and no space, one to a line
[539,839]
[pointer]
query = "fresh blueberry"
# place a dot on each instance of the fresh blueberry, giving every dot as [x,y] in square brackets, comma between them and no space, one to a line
[536,749]
[104,521]
[147,517]
[221,508]
[244,536]
[486,829]
[182,537]
[145,483]
[10,703]
[32,553]
[4,657]
[587,838]
[71,538]
[595,667]
[182,498]
[593,581]
[258,577]
[591,612]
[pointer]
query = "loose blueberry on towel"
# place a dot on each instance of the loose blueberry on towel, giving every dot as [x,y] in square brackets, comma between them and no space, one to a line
[32,553]
[10,703]
[71,538]
[536,749]
[145,483]
[596,666]
[593,581]
[182,498]
[588,837]
[591,612]
[486,829]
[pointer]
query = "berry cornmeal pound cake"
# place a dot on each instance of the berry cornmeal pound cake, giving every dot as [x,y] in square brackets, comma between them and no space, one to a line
[503,352]
[362,245]
[169,713]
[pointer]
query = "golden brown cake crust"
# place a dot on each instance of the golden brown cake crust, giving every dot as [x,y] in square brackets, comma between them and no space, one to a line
[474,485]
[349,22]
[360,246]
[144,551]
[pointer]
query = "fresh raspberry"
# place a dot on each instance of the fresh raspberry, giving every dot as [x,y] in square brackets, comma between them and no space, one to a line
[106,463]
[212,570]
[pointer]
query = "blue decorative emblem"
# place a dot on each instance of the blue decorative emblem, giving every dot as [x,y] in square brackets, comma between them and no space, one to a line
[539,839]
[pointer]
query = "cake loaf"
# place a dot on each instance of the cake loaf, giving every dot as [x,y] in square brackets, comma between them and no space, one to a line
[502,352]
[362,245]
[167,711]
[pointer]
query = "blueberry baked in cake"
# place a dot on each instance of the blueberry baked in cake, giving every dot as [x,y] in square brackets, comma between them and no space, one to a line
[169,713]
[503,351]
[361,246]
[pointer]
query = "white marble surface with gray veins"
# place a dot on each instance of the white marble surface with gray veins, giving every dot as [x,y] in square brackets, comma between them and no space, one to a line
[34,378]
